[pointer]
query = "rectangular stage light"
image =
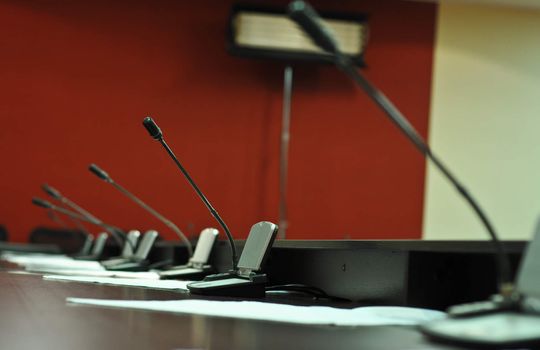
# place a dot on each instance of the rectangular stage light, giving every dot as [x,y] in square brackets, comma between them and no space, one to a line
[257,32]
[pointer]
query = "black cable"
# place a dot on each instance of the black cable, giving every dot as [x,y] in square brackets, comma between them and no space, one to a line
[160,264]
[315,292]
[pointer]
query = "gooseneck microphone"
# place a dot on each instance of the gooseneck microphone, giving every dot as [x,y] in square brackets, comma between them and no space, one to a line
[100,173]
[52,215]
[118,234]
[306,17]
[54,193]
[156,134]
[48,205]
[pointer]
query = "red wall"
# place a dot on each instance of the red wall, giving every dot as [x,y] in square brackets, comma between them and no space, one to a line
[77,77]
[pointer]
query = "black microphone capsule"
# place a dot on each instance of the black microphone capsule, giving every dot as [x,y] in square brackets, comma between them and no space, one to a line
[309,20]
[99,172]
[51,191]
[152,128]
[41,203]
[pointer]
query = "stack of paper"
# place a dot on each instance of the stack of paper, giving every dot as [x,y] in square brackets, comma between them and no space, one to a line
[127,282]
[64,265]
[35,262]
[24,259]
[253,310]
[101,273]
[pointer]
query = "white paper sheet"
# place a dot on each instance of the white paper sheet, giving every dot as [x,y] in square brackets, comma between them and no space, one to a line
[34,259]
[65,265]
[127,282]
[149,275]
[254,310]
[6,255]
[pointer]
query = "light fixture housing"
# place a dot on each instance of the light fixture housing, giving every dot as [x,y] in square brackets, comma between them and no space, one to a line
[261,32]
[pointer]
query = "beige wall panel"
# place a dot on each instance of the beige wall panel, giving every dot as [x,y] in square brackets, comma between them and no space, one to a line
[485,120]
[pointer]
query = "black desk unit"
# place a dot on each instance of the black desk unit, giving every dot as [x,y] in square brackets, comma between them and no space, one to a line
[35,316]
[430,274]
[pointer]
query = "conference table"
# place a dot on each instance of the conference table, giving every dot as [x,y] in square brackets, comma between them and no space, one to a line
[35,315]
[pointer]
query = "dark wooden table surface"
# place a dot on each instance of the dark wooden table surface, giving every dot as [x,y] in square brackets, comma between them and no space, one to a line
[34,315]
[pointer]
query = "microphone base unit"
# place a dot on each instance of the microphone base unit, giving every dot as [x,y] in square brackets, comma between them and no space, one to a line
[137,261]
[186,272]
[125,264]
[230,284]
[496,303]
[87,246]
[89,257]
[114,261]
[130,265]
[247,281]
[506,329]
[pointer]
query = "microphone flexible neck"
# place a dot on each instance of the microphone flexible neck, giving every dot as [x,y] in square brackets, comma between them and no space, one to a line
[396,117]
[56,196]
[83,215]
[152,211]
[305,16]
[205,201]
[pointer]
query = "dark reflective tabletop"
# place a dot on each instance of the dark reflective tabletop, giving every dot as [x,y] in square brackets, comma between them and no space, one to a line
[34,314]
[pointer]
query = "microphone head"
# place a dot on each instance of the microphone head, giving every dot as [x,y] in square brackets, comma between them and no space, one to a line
[152,128]
[309,20]
[99,172]
[41,203]
[51,191]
